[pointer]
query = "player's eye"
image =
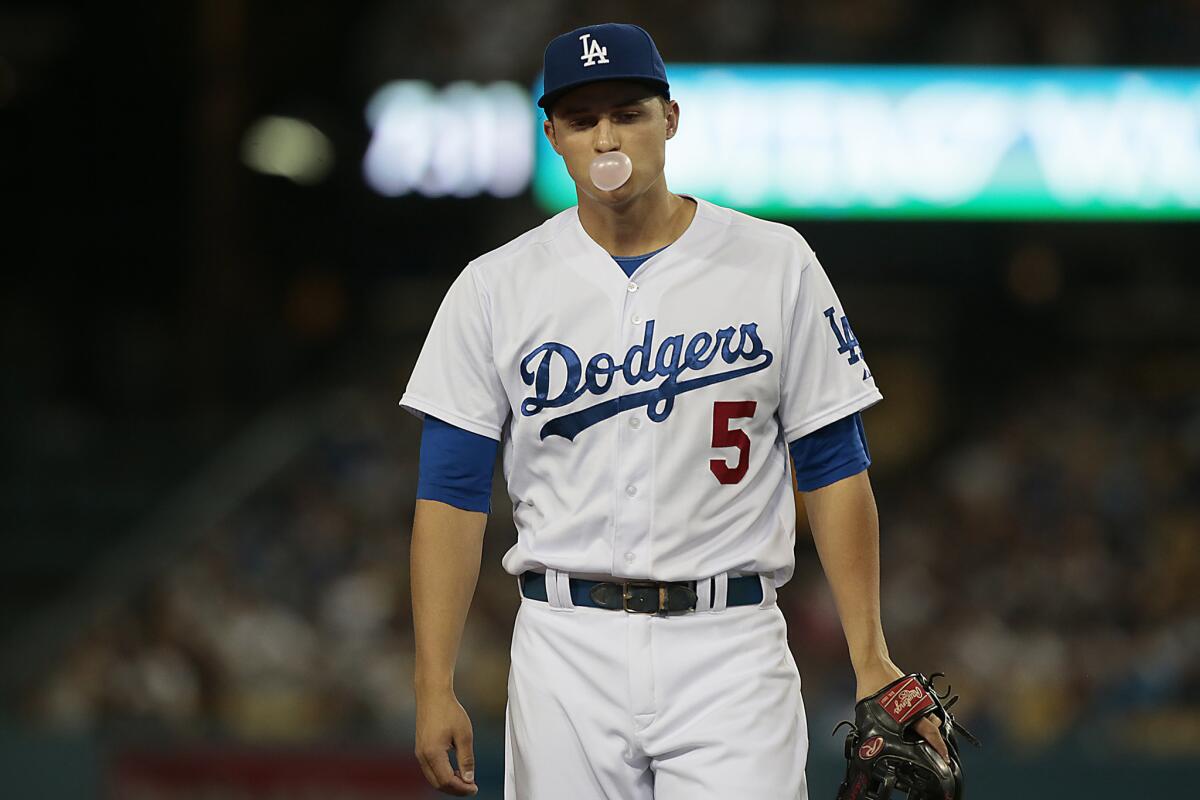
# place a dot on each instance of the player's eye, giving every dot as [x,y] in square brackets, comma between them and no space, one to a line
[629,115]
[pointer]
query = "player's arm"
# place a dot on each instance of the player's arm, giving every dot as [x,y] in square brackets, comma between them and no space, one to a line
[453,494]
[845,529]
[835,490]
[832,486]
[447,545]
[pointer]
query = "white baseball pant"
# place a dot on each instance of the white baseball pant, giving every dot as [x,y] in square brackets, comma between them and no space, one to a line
[609,704]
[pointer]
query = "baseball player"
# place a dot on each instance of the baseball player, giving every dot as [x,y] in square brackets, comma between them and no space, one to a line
[650,363]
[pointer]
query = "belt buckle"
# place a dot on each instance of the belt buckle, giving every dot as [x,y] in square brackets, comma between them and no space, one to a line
[627,595]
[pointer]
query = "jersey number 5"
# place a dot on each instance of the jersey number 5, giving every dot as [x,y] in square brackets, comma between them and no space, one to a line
[723,436]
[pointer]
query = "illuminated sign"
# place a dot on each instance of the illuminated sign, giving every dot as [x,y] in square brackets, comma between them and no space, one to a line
[929,142]
[463,140]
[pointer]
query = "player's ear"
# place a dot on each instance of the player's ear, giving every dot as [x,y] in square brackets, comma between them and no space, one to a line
[548,129]
[671,112]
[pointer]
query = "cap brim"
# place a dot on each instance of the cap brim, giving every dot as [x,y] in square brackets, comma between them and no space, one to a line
[547,100]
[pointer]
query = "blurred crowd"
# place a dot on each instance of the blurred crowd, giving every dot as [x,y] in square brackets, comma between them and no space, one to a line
[1043,555]
[1048,559]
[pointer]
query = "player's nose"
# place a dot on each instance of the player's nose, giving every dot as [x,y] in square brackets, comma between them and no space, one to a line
[605,136]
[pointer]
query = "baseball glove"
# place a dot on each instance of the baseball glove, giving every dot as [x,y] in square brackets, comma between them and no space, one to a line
[885,754]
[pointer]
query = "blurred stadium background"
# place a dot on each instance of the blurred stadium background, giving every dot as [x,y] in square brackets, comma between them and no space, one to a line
[227,225]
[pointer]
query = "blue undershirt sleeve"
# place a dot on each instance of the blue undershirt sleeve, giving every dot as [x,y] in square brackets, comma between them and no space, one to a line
[829,454]
[456,466]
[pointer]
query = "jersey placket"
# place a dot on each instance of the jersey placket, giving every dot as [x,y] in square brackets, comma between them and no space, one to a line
[634,455]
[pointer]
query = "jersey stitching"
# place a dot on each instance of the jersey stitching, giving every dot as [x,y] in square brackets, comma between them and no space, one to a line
[786,325]
[818,421]
[446,415]
[486,310]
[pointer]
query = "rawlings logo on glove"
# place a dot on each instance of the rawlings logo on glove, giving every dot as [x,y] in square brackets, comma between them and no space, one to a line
[870,748]
[883,754]
[905,699]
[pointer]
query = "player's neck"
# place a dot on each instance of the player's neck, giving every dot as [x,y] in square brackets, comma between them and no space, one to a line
[647,223]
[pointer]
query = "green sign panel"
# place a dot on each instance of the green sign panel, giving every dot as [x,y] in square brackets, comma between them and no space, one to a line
[929,142]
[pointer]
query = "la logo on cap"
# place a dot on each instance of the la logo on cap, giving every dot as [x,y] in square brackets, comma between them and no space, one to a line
[592,51]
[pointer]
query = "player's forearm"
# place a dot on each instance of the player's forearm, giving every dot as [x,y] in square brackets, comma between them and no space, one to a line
[447,544]
[845,529]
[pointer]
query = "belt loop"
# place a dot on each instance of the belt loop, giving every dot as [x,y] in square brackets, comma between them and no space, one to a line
[704,594]
[558,586]
[566,602]
[521,587]
[720,592]
[552,588]
[768,589]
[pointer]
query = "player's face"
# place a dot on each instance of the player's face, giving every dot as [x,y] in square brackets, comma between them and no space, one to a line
[612,115]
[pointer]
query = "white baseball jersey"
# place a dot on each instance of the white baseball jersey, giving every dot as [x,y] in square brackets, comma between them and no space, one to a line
[645,419]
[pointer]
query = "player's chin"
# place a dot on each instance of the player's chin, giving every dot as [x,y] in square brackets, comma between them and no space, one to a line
[613,197]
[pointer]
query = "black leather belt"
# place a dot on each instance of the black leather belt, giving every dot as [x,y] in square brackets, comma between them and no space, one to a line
[643,597]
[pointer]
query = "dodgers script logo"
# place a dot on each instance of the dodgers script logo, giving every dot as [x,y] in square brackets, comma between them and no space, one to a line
[593,53]
[642,364]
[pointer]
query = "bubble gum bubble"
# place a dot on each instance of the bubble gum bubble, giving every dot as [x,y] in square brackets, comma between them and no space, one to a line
[610,170]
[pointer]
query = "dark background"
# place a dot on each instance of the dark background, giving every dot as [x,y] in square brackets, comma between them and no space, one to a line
[207,485]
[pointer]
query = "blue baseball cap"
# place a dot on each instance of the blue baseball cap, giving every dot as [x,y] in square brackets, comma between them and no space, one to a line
[609,51]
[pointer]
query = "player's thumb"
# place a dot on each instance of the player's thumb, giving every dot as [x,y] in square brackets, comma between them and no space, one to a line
[464,751]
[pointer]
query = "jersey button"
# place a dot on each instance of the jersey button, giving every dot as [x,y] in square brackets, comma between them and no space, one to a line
[631,490]
[635,422]
[630,558]
[636,319]
[632,287]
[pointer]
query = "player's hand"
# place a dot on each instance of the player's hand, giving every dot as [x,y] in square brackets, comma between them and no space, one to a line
[879,673]
[442,726]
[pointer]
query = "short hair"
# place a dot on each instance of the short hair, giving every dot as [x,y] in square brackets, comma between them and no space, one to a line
[663,100]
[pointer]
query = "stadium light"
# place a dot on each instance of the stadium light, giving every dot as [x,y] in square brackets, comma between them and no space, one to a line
[288,147]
